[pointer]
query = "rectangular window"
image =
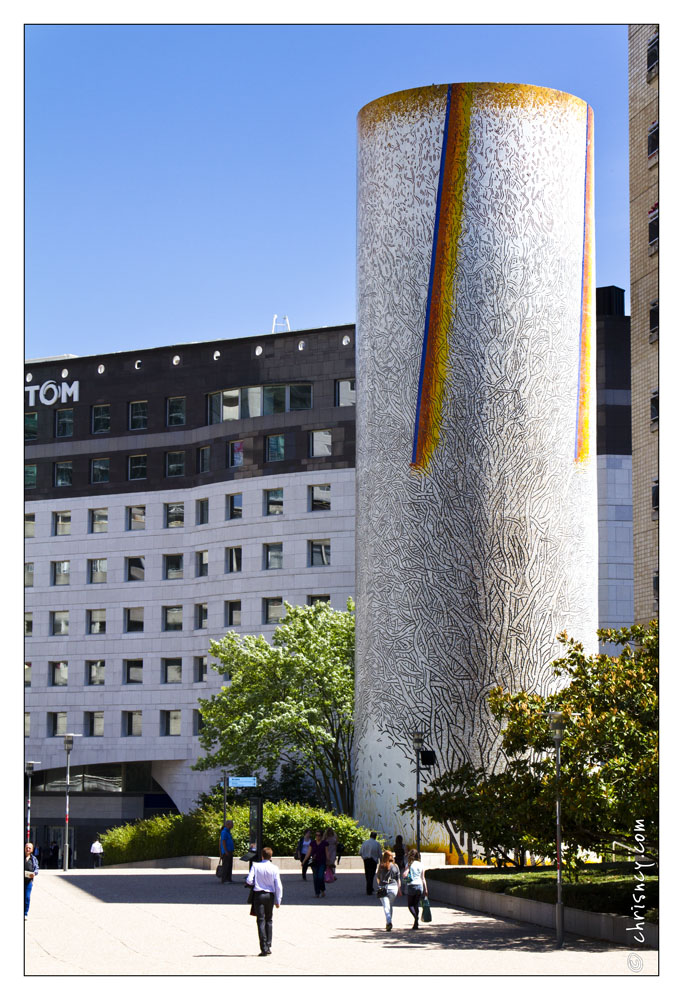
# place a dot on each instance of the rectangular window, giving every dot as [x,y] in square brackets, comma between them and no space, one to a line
[174,515]
[135,517]
[654,406]
[320,497]
[30,426]
[273,399]
[97,570]
[213,408]
[170,722]
[59,623]
[173,567]
[233,559]
[300,397]
[60,572]
[28,623]
[231,404]
[99,470]
[654,315]
[31,475]
[200,669]
[175,463]
[652,52]
[202,563]
[653,225]
[204,459]
[273,502]
[250,401]
[320,444]
[175,411]
[172,671]
[233,506]
[59,673]
[64,423]
[173,618]
[94,723]
[132,723]
[197,722]
[63,474]
[319,552]
[61,522]
[272,610]
[99,520]
[135,568]
[318,598]
[56,723]
[134,620]
[233,613]
[201,614]
[275,447]
[653,139]
[27,675]
[655,494]
[202,511]
[94,672]
[96,620]
[28,574]
[27,724]
[137,415]
[236,454]
[101,423]
[272,555]
[29,525]
[345,392]
[132,671]
[137,467]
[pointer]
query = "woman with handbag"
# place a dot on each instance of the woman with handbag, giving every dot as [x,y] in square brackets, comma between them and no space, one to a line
[331,838]
[388,885]
[317,852]
[302,851]
[415,885]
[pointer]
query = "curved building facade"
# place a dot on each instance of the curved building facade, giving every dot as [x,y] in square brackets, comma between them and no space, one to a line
[476,482]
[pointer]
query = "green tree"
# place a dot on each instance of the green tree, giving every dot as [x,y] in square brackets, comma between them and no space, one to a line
[288,704]
[609,758]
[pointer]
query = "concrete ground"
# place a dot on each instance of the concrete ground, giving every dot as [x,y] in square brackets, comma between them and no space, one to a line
[139,922]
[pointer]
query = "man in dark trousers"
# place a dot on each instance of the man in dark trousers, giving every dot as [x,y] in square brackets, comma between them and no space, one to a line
[370,852]
[227,851]
[264,880]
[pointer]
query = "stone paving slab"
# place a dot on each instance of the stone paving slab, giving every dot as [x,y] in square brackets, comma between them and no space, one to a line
[121,922]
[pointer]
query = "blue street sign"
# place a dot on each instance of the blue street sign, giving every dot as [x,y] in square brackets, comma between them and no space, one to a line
[242,782]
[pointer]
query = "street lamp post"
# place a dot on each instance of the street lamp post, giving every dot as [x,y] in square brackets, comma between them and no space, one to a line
[30,764]
[557,723]
[68,746]
[418,743]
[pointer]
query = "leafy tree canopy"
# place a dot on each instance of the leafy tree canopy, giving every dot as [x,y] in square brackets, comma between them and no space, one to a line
[609,759]
[288,703]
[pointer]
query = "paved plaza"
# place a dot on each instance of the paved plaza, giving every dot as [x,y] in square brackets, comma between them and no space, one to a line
[182,921]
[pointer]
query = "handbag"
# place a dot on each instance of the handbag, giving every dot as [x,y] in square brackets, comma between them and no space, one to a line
[329,875]
[381,892]
[219,869]
[426,911]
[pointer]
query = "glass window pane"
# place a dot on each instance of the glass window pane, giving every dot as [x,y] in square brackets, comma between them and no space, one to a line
[135,568]
[133,671]
[64,423]
[273,399]
[175,412]
[137,415]
[100,419]
[96,723]
[320,552]
[134,723]
[300,397]
[200,615]
[234,506]
[135,517]
[59,673]
[231,404]
[251,401]
[346,392]
[275,501]
[98,570]
[60,572]
[134,619]
[63,474]
[273,610]
[203,511]
[175,463]
[30,476]
[202,567]
[273,555]
[173,619]
[99,520]
[27,675]
[233,560]
[275,448]
[29,525]
[236,453]
[99,470]
[204,459]
[60,622]
[214,407]
[61,522]
[175,515]
[95,672]
[173,671]
[320,497]
[173,566]
[200,668]
[97,621]
[137,466]
[28,623]
[234,613]
[320,444]
[30,426]
[28,574]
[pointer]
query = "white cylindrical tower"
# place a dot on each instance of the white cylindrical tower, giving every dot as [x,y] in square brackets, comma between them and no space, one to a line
[476,484]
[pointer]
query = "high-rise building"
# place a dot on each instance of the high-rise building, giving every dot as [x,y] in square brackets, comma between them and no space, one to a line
[643,69]
[171,494]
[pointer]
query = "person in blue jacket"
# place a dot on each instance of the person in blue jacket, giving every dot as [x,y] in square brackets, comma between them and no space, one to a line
[30,871]
[227,850]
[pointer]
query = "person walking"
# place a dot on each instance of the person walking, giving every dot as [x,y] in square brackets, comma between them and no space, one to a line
[388,885]
[302,851]
[96,852]
[400,852]
[227,850]
[317,852]
[30,871]
[264,880]
[331,851]
[370,852]
[415,885]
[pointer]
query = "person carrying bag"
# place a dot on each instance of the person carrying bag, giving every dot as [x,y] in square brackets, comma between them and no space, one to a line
[415,886]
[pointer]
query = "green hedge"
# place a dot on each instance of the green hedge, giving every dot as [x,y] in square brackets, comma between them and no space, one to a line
[599,891]
[198,832]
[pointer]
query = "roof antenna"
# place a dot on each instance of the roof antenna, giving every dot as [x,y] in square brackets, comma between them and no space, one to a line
[283,325]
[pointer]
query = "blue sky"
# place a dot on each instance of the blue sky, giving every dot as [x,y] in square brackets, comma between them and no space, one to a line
[187,182]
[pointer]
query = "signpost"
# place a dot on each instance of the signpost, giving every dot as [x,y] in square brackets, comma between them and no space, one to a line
[243,782]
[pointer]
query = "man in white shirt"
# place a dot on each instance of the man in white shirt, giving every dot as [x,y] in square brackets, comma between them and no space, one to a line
[264,879]
[370,852]
[96,852]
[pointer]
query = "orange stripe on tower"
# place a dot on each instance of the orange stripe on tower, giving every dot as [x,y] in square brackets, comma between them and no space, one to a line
[583,409]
